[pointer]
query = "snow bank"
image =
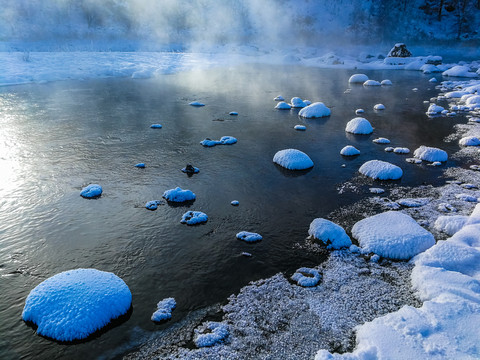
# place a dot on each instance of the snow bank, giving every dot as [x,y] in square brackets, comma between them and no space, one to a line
[359,126]
[392,235]
[431,154]
[349,150]
[210,333]
[450,224]
[91,191]
[194,218]
[358,78]
[164,310]
[331,234]
[293,159]
[447,325]
[282,105]
[178,195]
[469,141]
[76,303]
[307,277]
[249,236]
[315,110]
[459,71]
[381,170]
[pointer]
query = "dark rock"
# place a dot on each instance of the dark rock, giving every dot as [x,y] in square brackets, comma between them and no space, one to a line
[399,50]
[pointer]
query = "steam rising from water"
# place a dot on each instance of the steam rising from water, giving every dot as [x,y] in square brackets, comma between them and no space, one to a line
[154,24]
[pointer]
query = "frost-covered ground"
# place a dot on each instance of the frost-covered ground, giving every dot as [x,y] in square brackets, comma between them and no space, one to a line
[424,299]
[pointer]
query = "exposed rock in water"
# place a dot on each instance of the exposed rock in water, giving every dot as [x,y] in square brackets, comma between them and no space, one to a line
[399,50]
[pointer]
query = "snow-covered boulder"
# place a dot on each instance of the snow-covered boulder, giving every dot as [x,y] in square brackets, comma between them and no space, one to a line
[282,105]
[210,333]
[358,78]
[293,159]
[393,235]
[386,82]
[359,126]
[140,165]
[153,204]
[235,202]
[459,71]
[194,218]
[224,140]
[178,195]
[431,154]
[456,94]
[91,191]
[381,170]
[196,103]
[401,150]
[429,68]
[413,203]
[190,169]
[381,140]
[296,102]
[307,277]
[469,141]
[249,236]
[399,50]
[379,107]
[473,100]
[371,83]
[279,98]
[233,113]
[74,304]
[450,224]
[359,111]
[156,126]
[164,310]
[434,109]
[331,234]
[315,110]
[300,127]
[349,150]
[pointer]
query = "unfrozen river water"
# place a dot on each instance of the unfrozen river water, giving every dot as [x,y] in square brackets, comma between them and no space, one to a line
[56,138]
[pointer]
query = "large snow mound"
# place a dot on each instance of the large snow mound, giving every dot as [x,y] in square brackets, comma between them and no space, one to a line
[381,170]
[331,234]
[447,279]
[392,235]
[431,154]
[74,304]
[359,126]
[178,195]
[315,110]
[293,159]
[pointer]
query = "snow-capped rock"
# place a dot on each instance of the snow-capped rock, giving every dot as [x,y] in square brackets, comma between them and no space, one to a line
[381,170]
[393,235]
[74,304]
[315,110]
[293,159]
[359,126]
[331,234]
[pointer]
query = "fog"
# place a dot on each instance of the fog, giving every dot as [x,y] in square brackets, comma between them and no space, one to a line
[190,24]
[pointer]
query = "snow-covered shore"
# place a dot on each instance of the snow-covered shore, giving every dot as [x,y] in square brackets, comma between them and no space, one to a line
[38,67]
